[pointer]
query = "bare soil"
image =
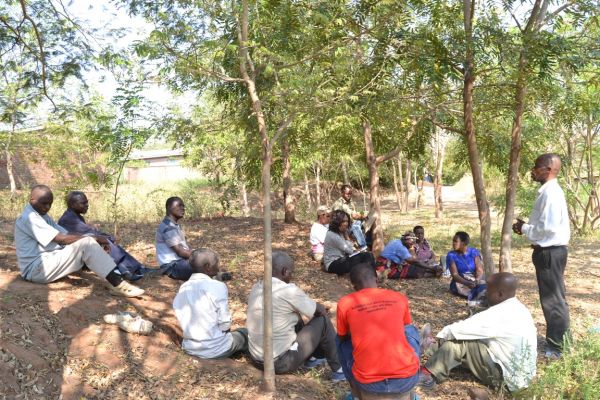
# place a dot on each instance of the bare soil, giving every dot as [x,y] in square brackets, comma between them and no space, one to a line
[54,343]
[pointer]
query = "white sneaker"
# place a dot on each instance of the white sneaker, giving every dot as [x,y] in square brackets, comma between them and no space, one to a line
[126,289]
[129,323]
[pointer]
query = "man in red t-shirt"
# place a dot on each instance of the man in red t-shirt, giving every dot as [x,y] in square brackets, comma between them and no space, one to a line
[378,347]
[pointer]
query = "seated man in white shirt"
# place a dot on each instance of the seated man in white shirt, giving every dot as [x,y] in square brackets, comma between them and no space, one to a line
[498,345]
[294,342]
[202,311]
[318,231]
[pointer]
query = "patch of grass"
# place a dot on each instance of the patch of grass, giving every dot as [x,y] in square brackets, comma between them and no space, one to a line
[575,376]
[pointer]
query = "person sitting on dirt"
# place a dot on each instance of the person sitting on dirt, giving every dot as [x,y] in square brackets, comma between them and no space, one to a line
[374,324]
[172,250]
[294,343]
[399,263]
[46,252]
[339,254]
[72,220]
[498,345]
[318,231]
[422,247]
[346,204]
[465,264]
[201,307]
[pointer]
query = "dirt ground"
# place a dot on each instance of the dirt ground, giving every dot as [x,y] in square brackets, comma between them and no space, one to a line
[54,343]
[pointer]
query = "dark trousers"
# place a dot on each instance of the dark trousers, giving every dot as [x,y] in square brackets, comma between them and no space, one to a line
[317,338]
[179,270]
[550,263]
[127,265]
[345,264]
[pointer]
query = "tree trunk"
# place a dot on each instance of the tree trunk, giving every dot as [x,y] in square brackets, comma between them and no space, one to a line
[474,159]
[396,190]
[374,203]
[245,207]
[513,167]
[440,150]
[418,194]
[8,154]
[307,191]
[288,197]
[318,183]
[345,172]
[403,188]
[245,63]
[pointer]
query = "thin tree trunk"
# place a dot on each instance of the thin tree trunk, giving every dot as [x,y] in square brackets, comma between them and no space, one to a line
[245,207]
[8,154]
[403,188]
[417,195]
[307,191]
[288,197]
[318,183]
[396,190]
[345,172]
[374,204]
[409,187]
[474,159]
[437,179]
[245,63]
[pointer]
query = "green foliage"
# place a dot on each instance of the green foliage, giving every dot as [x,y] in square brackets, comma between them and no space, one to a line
[574,376]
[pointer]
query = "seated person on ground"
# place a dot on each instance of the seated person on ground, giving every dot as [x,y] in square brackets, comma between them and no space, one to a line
[378,347]
[72,220]
[318,232]
[422,247]
[346,204]
[397,261]
[498,345]
[172,250]
[201,307]
[46,252]
[293,341]
[339,253]
[465,264]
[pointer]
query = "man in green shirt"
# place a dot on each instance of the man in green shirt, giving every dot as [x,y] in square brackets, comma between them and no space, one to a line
[346,204]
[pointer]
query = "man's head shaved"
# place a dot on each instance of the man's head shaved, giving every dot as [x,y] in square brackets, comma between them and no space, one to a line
[39,191]
[363,276]
[204,261]
[501,286]
[551,160]
[283,265]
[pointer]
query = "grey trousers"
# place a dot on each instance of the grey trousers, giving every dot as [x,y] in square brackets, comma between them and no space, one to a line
[71,258]
[315,338]
[240,343]
[471,354]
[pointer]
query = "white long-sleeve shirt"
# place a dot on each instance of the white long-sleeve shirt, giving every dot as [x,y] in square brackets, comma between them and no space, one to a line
[203,313]
[509,332]
[549,221]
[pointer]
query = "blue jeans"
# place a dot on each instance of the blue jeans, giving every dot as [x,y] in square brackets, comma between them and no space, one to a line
[356,230]
[395,385]
[179,269]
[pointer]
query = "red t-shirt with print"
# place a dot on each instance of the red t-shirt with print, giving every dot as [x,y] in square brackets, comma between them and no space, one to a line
[375,318]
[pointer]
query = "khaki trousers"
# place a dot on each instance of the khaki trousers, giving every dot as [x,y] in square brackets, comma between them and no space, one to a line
[471,354]
[71,258]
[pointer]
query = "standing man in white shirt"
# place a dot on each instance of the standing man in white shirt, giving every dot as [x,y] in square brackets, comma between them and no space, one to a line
[498,345]
[318,231]
[549,232]
[201,307]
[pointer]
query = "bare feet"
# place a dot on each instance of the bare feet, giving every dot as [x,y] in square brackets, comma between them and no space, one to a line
[478,394]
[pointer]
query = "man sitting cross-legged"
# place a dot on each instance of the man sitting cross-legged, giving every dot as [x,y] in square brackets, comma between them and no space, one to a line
[172,250]
[498,345]
[293,341]
[46,252]
[72,220]
[202,311]
[378,347]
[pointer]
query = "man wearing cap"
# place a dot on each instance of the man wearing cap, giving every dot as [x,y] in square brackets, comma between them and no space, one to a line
[346,204]
[318,232]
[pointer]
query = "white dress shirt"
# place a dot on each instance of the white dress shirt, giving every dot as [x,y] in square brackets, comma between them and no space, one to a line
[509,332]
[202,311]
[549,221]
